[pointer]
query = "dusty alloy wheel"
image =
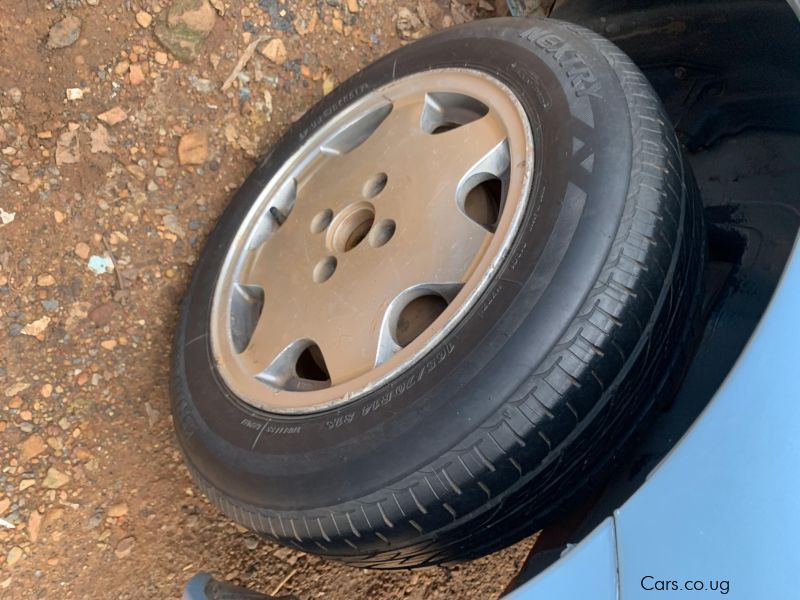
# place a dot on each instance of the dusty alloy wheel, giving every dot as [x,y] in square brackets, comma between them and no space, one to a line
[435,313]
[348,256]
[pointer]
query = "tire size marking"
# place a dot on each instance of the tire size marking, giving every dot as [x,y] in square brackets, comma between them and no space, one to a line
[521,250]
[251,424]
[281,429]
[568,58]
[488,302]
[339,421]
[417,375]
[266,428]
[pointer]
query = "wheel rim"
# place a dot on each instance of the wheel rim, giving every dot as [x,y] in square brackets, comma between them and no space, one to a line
[372,242]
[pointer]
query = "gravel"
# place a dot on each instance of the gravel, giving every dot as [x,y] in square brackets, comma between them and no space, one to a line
[105,202]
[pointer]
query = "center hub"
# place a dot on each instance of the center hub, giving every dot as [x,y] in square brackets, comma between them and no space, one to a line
[350,227]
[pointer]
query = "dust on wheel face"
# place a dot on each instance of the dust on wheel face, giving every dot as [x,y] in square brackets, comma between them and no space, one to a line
[372,241]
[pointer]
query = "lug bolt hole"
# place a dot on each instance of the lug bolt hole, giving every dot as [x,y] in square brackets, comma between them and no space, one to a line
[375,185]
[324,269]
[321,220]
[382,233]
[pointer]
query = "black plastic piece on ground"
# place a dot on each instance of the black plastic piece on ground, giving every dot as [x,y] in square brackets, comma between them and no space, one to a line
[204,587]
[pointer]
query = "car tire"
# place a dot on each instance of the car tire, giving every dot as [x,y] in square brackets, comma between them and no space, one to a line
[523,407]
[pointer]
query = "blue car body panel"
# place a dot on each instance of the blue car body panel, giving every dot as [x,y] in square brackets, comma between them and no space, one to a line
[594,560]
[723,508]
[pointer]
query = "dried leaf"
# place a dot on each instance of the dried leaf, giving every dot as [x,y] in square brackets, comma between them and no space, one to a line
[67,148]
[100,140]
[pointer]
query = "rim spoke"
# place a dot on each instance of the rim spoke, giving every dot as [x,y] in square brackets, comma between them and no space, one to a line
[346,336]
[435,231]
[275,336]
[459,151]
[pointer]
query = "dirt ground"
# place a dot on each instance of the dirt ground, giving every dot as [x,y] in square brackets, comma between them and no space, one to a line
[115,160]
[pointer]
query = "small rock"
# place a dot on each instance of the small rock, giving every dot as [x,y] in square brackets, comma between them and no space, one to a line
[14,555]
[352,6]
[304,26]
[285,554]
[144,19]
[136,171]
[204,86]
[15,389]
[46,390]
[6,217]
[280,17]
[407,22]
[82,250]
[267,105]
[94,521]
[108,344]
[50,305]
[45,280]
[161,57]
[251,542]
[74,94]
[36,328]
[193,148]
[15,94]
[64,33]
[171,224]
[125,547]
[55,479]
[34,525]
[101,315]
[328,83]
[113,116]
[152,415]
[136,75]
[53,515]
[275,50]
[461,14]
[184,26]
[21,175]
[118,510]
[31,448]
